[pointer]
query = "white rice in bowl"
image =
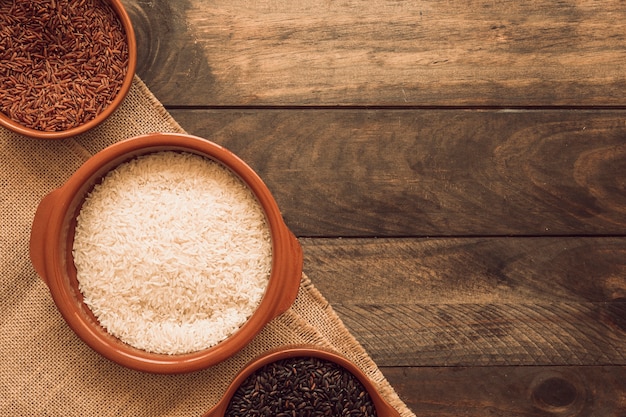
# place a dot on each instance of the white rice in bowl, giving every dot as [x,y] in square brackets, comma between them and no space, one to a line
[172,252]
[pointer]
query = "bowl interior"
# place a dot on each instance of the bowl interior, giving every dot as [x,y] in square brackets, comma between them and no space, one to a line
[382,408]
[106,112]
[67,262]
[111,343]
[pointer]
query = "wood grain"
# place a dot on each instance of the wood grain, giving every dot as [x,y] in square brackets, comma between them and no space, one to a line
[473,334]
[455,172]
[462,302]
[386,172]
[512,391]
[496,270]
[382,52]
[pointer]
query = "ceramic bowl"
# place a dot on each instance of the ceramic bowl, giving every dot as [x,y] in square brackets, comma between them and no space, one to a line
[51,244]
[382,407]
[20,128]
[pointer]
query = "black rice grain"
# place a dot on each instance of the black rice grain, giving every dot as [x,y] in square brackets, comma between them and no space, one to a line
[301,387]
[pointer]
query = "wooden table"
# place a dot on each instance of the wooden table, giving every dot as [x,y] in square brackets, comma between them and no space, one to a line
[455,171]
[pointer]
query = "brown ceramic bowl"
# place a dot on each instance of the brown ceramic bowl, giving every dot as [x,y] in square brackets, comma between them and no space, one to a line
[106,112]
[383,409]
[52,237]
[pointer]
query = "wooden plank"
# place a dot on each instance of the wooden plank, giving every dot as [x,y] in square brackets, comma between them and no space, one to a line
[481,301]
[382,52]
[384,172]
[473,334]
[497,270]
[511,391]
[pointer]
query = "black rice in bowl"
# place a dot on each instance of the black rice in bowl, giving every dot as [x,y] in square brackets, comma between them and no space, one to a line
[301,387]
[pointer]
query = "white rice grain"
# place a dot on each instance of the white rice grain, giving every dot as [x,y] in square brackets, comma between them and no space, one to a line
[172,252]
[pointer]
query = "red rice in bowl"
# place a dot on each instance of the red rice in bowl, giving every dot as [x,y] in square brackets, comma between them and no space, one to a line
[172,252]
[62,61]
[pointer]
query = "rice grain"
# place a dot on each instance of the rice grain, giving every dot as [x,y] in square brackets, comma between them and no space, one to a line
[172,252]
[62,62]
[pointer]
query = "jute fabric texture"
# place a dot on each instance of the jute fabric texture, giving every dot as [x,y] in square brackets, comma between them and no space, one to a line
[45,369]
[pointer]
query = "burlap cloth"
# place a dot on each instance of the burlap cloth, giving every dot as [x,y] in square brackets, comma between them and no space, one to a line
[45,369]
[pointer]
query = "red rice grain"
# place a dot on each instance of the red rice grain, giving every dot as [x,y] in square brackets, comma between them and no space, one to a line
[62,62]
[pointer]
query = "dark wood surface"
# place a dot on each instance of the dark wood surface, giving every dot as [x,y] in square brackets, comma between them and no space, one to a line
[455,172]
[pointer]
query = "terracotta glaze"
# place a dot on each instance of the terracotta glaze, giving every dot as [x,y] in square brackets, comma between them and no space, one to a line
[51,243]
[383,408]
[105,113]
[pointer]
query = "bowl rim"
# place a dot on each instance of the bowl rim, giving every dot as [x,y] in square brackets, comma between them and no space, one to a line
[282,287]
[383,408]
[123,16]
